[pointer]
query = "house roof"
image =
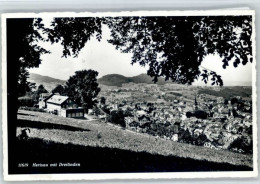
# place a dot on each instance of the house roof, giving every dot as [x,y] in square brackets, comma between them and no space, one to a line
[57,99]
[46,96]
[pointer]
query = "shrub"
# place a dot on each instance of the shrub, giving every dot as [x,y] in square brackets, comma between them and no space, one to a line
[31,109]
[29,102]
[242,143]
[117,117]
[201,114]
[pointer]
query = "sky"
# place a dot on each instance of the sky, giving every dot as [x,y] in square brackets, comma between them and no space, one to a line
[100,56]
[104,58]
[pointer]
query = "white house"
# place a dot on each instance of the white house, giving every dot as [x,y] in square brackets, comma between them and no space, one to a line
[64,106]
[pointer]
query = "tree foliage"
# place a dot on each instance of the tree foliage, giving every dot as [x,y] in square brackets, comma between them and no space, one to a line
[242,143]
[23,51]
[36,94]
[117,117]
[73,33]
[59,89]
[103,100]
[83,88]
[24,86]
[26,101]
[174,47]
[41,89]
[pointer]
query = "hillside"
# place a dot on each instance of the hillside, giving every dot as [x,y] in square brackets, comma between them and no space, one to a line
[114,80]
[228,92]
[108,80]
[102,147]
[144,78]
[48,82]
[118,80]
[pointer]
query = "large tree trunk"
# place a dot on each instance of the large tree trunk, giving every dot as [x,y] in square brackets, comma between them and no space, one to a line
[12,108]
[14,40]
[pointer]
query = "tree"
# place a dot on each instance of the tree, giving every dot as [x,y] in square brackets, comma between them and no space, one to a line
[201,139]
[189,114]
[41,89]
[23,86]
[128,112]
[200,114]
[38,92]
[83,88]
[242,143]
[174,47]
[59,89]
[186,136]
[117,117]
[103,100]
[22,53]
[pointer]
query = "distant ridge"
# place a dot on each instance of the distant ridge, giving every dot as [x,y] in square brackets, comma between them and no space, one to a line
[42,78]
[48,82]
[115,80]
[109,80]
[118,80]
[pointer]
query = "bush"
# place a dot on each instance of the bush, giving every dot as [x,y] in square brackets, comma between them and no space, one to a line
[201,114]
[198,114]
[29,102]
[32,109]
[201,140]
[242,143]
[189,114]
[117,117]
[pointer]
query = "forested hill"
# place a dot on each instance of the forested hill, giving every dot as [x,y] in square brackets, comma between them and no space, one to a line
[109,80]
[118,80]
[48,82]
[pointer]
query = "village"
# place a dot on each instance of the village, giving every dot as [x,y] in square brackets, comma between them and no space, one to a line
[170,111]
[180,114]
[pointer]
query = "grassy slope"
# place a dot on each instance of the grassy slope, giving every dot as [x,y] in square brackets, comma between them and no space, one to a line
[98,135]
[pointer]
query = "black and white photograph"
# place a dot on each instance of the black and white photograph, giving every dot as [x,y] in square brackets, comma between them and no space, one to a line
[122,95]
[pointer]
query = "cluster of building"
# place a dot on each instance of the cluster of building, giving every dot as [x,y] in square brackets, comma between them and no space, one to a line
[171,119]
[177,114]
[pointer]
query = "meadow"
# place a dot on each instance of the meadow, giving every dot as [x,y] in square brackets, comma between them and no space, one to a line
[103,147]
